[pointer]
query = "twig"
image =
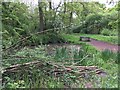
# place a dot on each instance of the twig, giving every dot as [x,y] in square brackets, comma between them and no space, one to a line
[14,56]
[80,60]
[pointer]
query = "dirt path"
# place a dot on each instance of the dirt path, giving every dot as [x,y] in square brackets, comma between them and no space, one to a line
[100,45]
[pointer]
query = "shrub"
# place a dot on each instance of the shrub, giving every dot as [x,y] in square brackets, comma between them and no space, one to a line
[45,38]
[91,25]
[114,33]
[106,32]
[76,29]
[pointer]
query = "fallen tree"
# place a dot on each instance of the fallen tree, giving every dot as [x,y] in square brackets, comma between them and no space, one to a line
[22,40]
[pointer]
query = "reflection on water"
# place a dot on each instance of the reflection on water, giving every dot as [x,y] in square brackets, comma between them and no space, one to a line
[51,48]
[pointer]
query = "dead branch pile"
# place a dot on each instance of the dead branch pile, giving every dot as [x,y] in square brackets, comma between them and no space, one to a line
[58,68]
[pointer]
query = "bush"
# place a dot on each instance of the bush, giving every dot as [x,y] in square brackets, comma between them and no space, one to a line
[52,38]
[106,32]
[114,33]
[76,30]
[45,38]
[80,29]
[91,25]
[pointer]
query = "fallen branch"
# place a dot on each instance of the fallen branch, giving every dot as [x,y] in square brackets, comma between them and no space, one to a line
[14,56]
[70,69]
[23,39]
[80,60]
[84,67]
[19,66]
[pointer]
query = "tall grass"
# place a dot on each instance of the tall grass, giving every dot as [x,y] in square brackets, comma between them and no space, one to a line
[70,55]
[109,56]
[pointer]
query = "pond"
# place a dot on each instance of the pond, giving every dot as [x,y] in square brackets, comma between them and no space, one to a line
[51,48]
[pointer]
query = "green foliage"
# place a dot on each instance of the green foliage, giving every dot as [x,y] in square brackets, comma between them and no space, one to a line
[71,38]
[38,80]
[74,55]
[61,53]
[109,39]
[53,38]
[95,22]
[92,24]
[74,38]
[108,56]
[79,29]
[41,77]
[45,38]
[37,52]
[16,22]
[19,21]
[105,55]
[105,32]
[108,32]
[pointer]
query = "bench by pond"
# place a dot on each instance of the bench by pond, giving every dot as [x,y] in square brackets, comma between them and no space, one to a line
[83,38]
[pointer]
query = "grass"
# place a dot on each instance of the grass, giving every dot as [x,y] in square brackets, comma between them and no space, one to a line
[109,39]
[107,55]
[70,56]
[74,39]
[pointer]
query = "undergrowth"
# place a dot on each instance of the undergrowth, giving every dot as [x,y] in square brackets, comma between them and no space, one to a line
[44,77]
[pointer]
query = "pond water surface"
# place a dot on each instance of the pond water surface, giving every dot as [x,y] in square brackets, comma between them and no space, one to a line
[51,48]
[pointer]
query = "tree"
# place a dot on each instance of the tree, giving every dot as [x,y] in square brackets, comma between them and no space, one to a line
[41,17]
[16,22]
[50,4]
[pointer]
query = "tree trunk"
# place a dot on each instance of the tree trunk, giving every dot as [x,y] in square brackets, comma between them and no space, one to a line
[64,6]
[45,19]
[71,15]
[50,5]
[64,11]
[41,16]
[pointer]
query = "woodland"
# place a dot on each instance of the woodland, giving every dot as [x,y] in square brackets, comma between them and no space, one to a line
[46,46]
